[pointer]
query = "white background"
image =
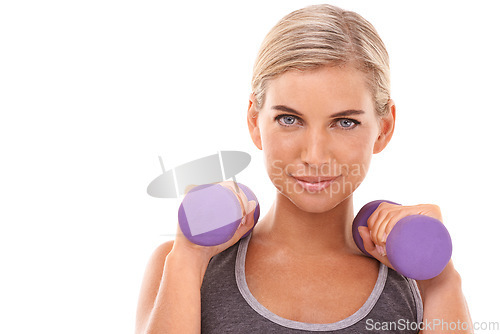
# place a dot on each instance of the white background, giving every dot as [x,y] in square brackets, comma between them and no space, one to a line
[92,92]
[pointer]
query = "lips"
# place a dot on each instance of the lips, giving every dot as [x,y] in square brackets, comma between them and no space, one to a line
[315,179]
[315,183]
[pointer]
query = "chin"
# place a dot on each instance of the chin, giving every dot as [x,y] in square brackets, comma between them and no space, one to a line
[317,204]
[314,202]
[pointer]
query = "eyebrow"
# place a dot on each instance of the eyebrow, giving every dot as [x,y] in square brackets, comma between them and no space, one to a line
[342,113]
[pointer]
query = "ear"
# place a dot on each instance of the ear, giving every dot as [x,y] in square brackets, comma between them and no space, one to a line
[253,122]
[387,124]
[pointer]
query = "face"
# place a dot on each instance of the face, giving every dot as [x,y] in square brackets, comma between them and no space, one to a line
[318,130]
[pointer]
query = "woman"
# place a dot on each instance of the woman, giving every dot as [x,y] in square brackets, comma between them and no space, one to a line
[320,107]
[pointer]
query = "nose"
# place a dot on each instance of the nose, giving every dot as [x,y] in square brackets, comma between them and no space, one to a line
[316,152]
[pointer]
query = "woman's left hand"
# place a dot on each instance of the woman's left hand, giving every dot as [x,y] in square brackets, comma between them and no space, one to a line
[383,220]
[442,295]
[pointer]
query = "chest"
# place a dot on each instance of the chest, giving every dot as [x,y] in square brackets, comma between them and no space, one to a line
[323,290]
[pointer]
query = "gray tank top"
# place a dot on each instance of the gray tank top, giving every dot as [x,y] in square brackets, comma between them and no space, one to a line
[227,305]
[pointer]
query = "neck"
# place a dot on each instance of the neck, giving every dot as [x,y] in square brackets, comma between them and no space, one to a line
[309,233]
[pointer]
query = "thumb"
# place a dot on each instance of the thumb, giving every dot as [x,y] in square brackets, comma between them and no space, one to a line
[364,232]
[371,248]
[247,221]
[249,209]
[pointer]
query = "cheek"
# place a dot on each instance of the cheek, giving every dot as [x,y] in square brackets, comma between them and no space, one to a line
[280,156]
[277,144]
[277,153]
[354,156]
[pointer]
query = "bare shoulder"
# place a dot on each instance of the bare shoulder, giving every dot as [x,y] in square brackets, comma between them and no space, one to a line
[161,252]
[151,283]
[154,268]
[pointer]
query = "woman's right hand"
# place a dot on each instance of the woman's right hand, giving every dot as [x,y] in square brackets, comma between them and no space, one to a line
[169,301]
[184,246]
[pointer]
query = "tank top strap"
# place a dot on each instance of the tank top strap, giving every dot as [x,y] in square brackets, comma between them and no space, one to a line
[228,306]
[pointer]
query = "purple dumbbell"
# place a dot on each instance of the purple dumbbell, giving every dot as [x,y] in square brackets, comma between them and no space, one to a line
[418,246]
[210,214]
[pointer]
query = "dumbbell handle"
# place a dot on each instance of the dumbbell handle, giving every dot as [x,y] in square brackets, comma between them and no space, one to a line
[418,246]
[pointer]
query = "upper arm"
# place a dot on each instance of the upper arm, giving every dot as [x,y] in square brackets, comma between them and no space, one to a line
[151,283]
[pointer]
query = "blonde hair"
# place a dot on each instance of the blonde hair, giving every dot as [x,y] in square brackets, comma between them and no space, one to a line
[323,35]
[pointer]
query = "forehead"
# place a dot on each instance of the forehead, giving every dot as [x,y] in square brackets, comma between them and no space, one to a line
[330,88]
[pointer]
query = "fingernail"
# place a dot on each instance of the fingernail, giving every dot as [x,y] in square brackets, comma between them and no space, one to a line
[384,237]
[380,250]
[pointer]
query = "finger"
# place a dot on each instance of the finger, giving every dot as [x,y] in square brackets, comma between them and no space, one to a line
[242,229]
[370,247]
[248,217]
[431,210]
[364,232]
[375,217]
[386,226]
[250,207]
[391,222]
[384,215]
[247,222]
[240,195]
[377,223]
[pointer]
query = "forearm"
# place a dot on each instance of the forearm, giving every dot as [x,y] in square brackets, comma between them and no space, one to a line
[445,307]
[177,307]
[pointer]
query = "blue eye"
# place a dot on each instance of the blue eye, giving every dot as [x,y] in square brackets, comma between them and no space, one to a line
[347,123]
[286,120]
